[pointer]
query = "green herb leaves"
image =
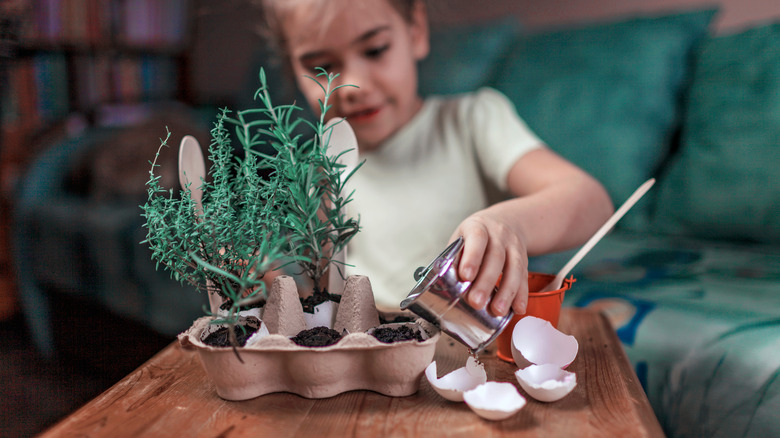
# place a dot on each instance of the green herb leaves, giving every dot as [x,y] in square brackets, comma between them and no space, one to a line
[261,209]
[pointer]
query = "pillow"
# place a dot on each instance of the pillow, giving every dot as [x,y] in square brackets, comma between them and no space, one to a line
[462,58]
[606,96]
[725,182]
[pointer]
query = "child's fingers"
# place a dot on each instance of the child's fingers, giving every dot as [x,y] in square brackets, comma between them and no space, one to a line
[474,247]
[483,287]
[513,290]
[520,304]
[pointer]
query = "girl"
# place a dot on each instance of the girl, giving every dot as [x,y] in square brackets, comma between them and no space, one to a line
[430,164]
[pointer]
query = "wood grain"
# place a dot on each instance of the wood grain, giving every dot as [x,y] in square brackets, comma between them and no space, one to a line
[171,395]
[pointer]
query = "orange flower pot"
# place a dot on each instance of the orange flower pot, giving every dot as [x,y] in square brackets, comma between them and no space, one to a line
[544,305]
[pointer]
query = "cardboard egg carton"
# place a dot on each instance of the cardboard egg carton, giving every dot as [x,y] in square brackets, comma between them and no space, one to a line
[275,364]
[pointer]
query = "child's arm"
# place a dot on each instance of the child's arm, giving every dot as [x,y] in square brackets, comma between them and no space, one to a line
[558,206]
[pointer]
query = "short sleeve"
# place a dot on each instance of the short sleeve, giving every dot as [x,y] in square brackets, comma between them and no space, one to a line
[499,135]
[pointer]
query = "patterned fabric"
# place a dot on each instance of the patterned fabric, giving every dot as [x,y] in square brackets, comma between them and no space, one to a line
[700,322]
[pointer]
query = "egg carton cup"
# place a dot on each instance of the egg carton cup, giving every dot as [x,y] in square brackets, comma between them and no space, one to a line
[273,363]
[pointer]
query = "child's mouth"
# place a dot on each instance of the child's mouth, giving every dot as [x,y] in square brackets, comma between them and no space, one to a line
[363,115]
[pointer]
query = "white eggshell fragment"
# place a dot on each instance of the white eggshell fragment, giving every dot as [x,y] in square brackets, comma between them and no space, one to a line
[452,386]
[547,383]
[494,400]
[537,341]
[258,335]
[323,316]
[257,312]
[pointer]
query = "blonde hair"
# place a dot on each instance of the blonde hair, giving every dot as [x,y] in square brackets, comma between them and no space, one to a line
[274,11]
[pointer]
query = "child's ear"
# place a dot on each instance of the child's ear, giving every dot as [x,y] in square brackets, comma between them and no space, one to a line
[420,31]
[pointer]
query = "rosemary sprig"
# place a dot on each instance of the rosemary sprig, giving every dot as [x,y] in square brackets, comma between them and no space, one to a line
[251,224]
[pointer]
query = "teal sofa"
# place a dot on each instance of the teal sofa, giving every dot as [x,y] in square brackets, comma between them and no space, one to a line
[690,279]
[77,229]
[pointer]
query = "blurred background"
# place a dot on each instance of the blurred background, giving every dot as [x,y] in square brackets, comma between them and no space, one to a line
[87,88]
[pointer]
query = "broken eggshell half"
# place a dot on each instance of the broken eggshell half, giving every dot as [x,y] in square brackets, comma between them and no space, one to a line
[547,382]
[452,386]
[494,400]
[324,315]
[549,351]
[535,340]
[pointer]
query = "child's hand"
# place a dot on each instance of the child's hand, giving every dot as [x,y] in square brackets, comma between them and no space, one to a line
[492,250]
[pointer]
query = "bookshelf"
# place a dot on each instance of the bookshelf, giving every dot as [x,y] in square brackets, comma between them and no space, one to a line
[64,63]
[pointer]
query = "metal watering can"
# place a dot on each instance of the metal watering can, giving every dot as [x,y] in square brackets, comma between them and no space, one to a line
[439,297]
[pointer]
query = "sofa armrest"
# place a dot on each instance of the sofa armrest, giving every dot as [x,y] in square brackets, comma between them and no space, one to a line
[42,184]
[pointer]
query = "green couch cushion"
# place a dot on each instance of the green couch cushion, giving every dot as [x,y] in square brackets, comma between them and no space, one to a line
[462,58]
[725,183]
[606,96]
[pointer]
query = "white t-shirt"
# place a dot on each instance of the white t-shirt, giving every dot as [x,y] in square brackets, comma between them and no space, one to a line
[414,190]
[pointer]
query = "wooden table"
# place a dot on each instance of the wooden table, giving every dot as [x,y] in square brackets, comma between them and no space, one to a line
[170,395]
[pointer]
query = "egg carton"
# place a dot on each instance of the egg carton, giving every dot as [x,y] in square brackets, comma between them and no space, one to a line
[273,363]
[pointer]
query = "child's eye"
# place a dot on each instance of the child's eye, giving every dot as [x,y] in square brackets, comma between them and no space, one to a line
[314,68]
[376,52]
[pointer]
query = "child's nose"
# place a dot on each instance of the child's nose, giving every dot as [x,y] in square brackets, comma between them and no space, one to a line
[357,74]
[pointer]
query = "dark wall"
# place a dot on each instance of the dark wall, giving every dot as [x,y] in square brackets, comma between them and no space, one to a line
[226,38]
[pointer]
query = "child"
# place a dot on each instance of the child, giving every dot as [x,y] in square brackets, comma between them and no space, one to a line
[429,164]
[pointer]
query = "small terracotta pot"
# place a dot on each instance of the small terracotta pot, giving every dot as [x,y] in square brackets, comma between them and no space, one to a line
[544,305]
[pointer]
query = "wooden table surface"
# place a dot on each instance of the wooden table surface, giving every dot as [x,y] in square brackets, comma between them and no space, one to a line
[170,395]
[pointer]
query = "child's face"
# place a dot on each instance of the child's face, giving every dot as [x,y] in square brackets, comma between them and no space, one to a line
[370,45]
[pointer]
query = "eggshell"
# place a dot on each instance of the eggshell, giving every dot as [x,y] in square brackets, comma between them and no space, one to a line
[546,382]
[494,400]
[257,336]
[323,316]
[452,386]
[257,312]
[537,341]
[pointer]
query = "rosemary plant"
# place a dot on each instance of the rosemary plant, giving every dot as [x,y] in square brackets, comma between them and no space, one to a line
[250,224]
[312,208]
